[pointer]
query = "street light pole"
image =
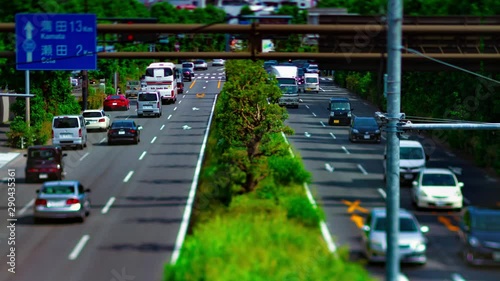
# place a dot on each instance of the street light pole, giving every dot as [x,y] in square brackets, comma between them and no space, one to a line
[394,35]
[85,74]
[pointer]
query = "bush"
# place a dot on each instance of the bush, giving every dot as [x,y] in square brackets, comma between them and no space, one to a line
[287,170]
[20,135]
[300,209]
[95,99]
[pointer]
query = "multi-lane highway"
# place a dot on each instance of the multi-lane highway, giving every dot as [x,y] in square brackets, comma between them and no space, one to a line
[138,192]
[348,181]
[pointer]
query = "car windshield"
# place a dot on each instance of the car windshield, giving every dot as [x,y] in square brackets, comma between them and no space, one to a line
[133,83]
[313,67]
[121,125]
[411,153]
[341,106]
[405,225]
[114,97]
[65,123]
[300,72]
[152,72]
[486,222]
[286,81]
[42,154]
[289,89]
[187,65]
[92,114]
[186,69]
[438,180]
[199,62]
[59,189]
[365,122]
[311,80]
[147,97]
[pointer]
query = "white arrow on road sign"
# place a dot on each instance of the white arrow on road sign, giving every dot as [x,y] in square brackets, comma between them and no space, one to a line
[307,134]
[29,37]
[329,168]
[195,108]
[186,127]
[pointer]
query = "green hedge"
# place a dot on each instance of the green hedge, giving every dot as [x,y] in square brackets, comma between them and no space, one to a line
[270,232]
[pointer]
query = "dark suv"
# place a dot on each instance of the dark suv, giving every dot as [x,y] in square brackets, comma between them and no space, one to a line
[479,231]
[44,163]
[340,111]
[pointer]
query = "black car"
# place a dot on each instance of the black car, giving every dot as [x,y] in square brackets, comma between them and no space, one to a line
[124,131]
[44,162]
[479,232]
[300,77]
[340,111]
[364,129]
[187,74]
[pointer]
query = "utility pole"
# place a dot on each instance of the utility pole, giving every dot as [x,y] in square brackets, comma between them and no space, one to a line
[394,35]
[27,92]
[85,73]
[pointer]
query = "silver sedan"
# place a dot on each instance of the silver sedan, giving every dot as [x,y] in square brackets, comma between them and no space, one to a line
[62,199]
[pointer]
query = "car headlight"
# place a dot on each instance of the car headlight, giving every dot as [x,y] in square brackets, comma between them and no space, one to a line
[419,246]
[332,113]
[459,193]
[474,242]
[349,114]
[355,131]
[377,132]
[422,193]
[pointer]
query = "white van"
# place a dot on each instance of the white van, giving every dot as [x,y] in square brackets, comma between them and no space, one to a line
[311,82]
[69,131]
[412,160]
[149,103]
[162,76]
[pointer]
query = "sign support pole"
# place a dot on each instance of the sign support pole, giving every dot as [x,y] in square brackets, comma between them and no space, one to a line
[27,89]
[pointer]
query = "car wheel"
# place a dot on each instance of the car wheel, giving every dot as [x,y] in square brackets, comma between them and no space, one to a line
[136,140]
[81,219]
[80,147]
[37,220]
[139,115]
[110,142]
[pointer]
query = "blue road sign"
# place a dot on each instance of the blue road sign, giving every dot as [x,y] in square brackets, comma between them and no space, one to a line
[56,42]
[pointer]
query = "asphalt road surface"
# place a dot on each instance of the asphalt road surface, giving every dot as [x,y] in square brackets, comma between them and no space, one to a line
[356,185]
[138,194]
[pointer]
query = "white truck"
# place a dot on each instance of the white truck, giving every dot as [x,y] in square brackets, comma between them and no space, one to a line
[133,88]
[287,79]
[311,82]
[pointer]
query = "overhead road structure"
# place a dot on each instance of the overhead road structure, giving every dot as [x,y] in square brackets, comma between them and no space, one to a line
[351,47]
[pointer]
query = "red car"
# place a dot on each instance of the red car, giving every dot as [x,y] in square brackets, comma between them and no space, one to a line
[115,102]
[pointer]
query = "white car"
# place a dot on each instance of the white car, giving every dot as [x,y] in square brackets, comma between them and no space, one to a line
[437,189]
[218,62]
[96,119]
[200,65]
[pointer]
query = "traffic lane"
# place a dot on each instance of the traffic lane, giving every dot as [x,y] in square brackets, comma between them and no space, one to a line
[155,199]
[337,179]
[42,237]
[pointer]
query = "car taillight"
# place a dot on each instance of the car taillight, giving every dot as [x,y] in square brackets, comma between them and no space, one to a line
[52,133]
[40,202]
[172,94]
[102,120]
[72,201]
[158,104]
[32,170]
[132,131]
[80,133]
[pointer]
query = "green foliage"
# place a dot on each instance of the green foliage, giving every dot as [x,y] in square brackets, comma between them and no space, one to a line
[300,209]
[287,170]
[20,134]
[252,241]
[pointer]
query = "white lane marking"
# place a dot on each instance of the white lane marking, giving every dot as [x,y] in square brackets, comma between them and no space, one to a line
[449,154]
[206,77]
[307,106]
[108,205]
[183,96]
[204,86]
[175,108]
[362,169]
[382,193]
[322,124]
[25,208]
[283,134]
[128,176]
[103,140]
[307,135]
[180,101]
[128,117]
[314,114]
[84,156]
[192,192]
[384,138]
[142,155]
[345,149]
[328,167]
[457,277]
[169,116]
[333,136]
[162,126]
[153,140]
[79,247]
